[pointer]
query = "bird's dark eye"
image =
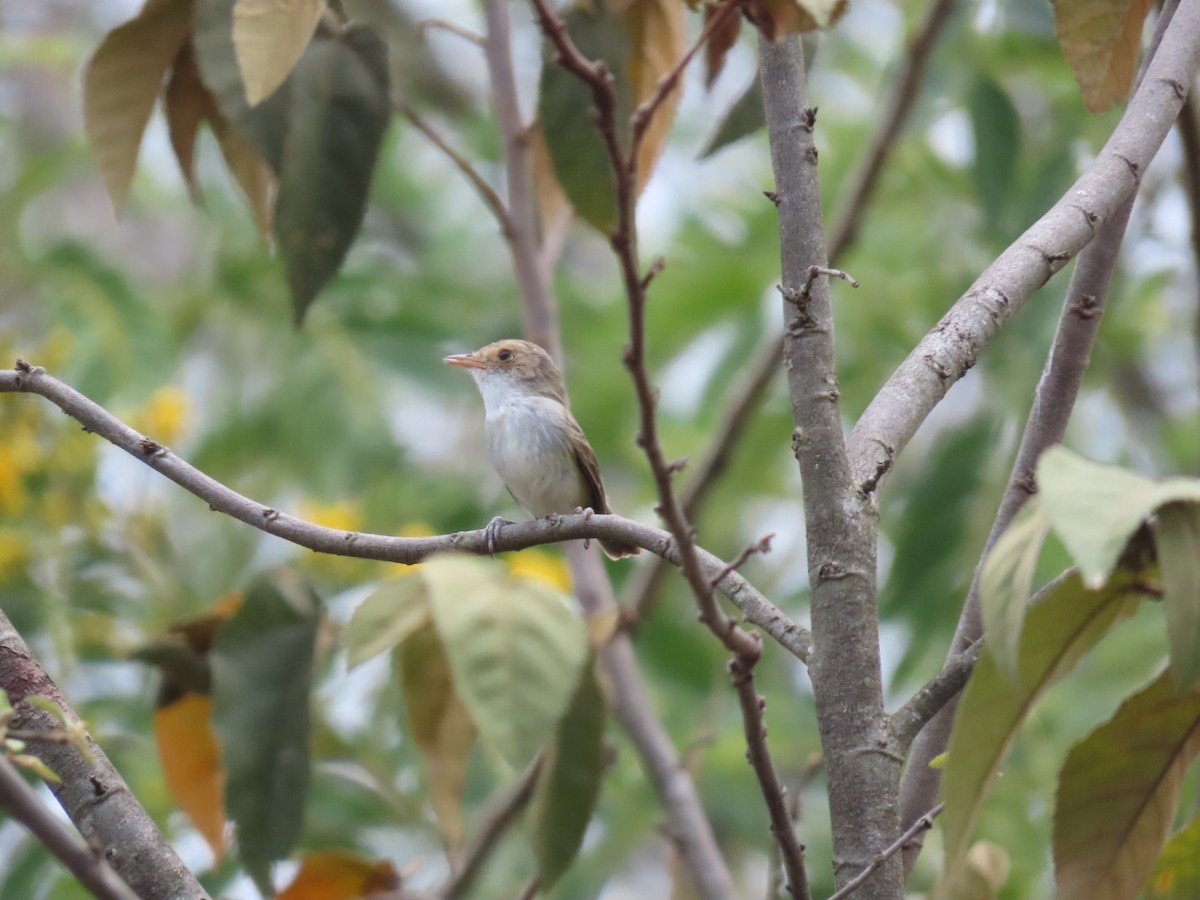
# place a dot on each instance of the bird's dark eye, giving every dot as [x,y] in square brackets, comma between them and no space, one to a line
[505,355]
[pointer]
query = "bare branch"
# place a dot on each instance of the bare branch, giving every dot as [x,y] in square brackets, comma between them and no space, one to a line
[762,545]
[922,824]
[22,804]
[427,25]
[538,307]
[948,351]
[91,791]
[405,550]
[840,521]
[764,363]
[1053,402]
[910,718]
[485,190]
[497,821]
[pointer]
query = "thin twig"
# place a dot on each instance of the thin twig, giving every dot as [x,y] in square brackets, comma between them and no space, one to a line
[498,820]
[924,823]
[539,309]
[764,364]
[745,646]
[406,550]
[426,25]
[486,192]
[22,804]
[762,545]
[909,719]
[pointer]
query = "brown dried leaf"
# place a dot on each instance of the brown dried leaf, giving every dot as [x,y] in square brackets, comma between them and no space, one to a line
[656,33]
[776,18]
[187,104]
[719,44]
[1101,40]
[121,82]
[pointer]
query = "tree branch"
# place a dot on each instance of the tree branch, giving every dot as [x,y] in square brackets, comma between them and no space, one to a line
[405,550]
[764,364]
[946,353]
[92,792]
[922,824]
[538,307]
[840,521]
[1053,402]
[21,803]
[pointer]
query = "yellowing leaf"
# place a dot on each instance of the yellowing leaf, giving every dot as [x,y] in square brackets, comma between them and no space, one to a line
[1118,793]
[1177,875]
[516,651]
[120,84]
[340,875]
[441,727]
[981,876]
[387,618]
[1059,630]
[268,37]
[776,18]
[1101,40]
[656,32]
[191,762]
[251,172]
[1004,586]
[720,42]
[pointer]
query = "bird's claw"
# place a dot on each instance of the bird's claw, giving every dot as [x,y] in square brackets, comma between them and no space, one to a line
[491,531]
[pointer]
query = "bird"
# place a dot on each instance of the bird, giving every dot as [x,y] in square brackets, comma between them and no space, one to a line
[533,441]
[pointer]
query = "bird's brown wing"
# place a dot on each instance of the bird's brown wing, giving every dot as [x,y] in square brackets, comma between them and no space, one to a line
[585,457]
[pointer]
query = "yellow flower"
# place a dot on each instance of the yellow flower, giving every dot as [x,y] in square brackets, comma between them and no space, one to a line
[164,415]
[538,565]
[12,485]
[341,516]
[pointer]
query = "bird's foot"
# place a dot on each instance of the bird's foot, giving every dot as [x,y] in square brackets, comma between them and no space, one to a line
[491,531]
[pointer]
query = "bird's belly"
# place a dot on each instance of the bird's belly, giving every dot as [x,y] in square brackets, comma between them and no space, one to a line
[535,460]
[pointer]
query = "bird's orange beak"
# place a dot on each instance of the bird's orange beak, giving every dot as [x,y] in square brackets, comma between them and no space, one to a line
[466,360]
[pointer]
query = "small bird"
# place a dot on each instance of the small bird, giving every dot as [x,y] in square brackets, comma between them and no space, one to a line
[533,441]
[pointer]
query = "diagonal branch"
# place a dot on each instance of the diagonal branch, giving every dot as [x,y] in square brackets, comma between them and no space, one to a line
[946,353]
[92,791]
[407,550]
[1049,414]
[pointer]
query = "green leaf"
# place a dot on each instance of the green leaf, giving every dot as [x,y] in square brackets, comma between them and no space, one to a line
[1177,540]
[1006,582]
[1118,793]
[1177,874]
[268,38]
[387,617]
[997,131]
[1061,627]
[339,113]
[568,119]
[262,669]
[569,787]
[516,651]
[746,116]
[120,84]
[1096,509]
[441,726]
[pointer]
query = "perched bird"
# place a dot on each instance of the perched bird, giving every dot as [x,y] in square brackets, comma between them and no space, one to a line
[533,441]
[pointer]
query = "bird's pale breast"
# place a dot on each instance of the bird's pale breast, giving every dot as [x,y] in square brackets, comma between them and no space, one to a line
[529,445]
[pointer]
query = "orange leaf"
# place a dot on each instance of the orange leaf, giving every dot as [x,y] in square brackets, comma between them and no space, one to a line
[187,105]
[191,762]
[776,18]
[719,44]
[1101,40]
[340,875]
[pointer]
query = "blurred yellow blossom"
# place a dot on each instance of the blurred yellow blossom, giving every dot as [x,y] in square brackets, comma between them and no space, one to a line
[13,465]
[164,415]
[539,565]
[344,516]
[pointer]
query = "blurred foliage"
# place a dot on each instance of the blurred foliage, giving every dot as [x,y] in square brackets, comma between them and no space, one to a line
[178,320]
